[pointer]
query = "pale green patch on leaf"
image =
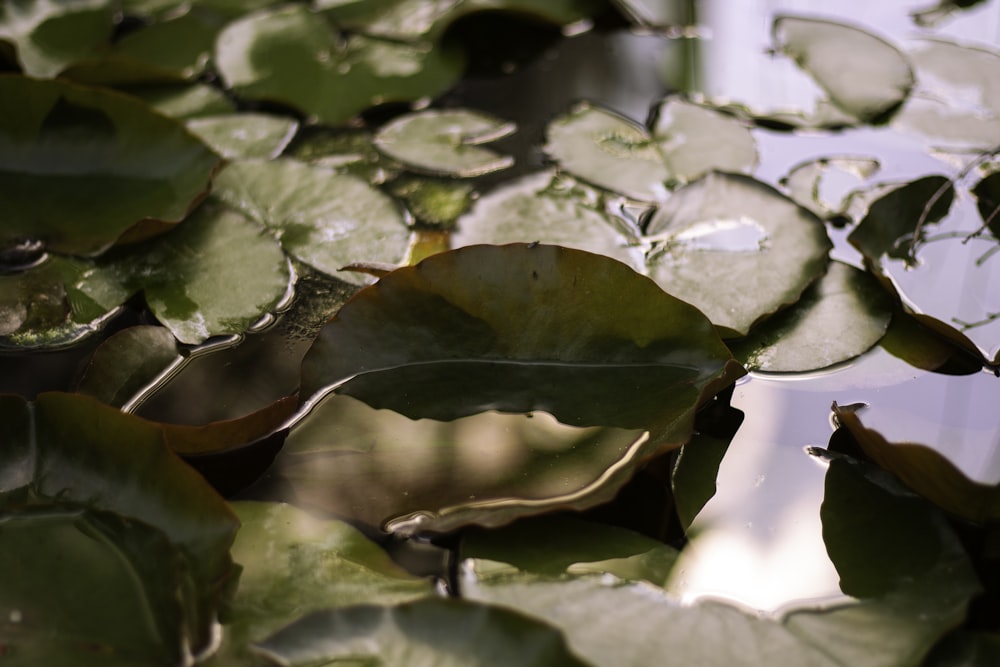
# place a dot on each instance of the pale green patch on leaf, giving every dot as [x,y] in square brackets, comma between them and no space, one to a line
[245,135]
[736,249]
[322,218]
[445,142]
[695,139]
[48,35]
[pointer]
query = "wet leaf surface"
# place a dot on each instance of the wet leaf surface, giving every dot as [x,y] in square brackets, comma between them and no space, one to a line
[245,135]
[359,224]
[82,166]
[47,36]
[127,362]
[812,184]
[445,142]
[736,249]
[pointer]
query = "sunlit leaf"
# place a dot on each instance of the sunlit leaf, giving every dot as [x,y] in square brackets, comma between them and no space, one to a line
[736,249]
[245,135]
[896,627]
[542,207]
[609,151]
[864,75]
[694,139]
[325,219]
[445,633]
[127,362]
[292,56]
[839,317]
[825,185]
[445,142]
[183,100]
[48,35]
[82,166]
[294,563]
[80,452]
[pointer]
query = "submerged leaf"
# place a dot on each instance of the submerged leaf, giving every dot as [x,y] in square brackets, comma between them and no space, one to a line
[864,75]
[736,249]
[81,167]
[324,219]
[445,142]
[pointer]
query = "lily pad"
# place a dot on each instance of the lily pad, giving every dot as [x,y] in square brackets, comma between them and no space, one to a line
[447,633]
[324,219]
[735,248]
[609,151]
[863,74]
[182,101]
[549,209]
[82,167]
[486,342]
[69,449]
[127,362]
[838,318]
[445,142]
[49,35]
[595,611]
[826,186]
[294,563]
[245,135]
[290,55]
[217,274]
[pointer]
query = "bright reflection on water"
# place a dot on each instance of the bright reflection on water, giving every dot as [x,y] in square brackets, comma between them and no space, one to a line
[740,235]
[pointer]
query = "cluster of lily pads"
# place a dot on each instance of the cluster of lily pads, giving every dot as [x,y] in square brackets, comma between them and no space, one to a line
[186,180]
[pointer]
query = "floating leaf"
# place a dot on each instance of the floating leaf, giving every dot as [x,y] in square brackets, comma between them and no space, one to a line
[217,274]
[477,635]
[693,479]
[433,202]
[245,135]
[49,35]
[826,186]
[694,140]
[542,207]
[596,611]
[736,249]
[82,166]
[325,219]
[483,334]
[69,449]
[931,15]
[987,192]
[652,13]
[445,142]
[127,362]
[182,101]
[900,449]
[291,56]
[294,564]
[609,151]
[839,317]
[864,75]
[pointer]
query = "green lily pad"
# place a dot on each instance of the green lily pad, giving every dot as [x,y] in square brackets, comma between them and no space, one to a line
[736,249]
[69,449]
[546,208]
[217,274]
[609,151]
[324,219]
[292,56]
[827,186]
[597,611]
[693,479]
[863,74]
[445,142]
[838,318]
[486,343]
[81,167]
[957,101]
[182,101]
[44,307]
[50,35]
[445,633]
[695,139]
[127,362]
[245,135]
[294,563]
[434,202]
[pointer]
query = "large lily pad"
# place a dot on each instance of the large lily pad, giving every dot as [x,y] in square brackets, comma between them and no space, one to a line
[81,167]
[70,450]
[325,219]
[897,626]
[474,319]
[445,142]
[445,633]
[736,249]
[49,35]
[549,209]
[292,56]
[863,74]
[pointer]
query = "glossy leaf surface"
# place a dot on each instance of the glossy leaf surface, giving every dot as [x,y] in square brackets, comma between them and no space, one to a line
[245,135]
[49,35]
